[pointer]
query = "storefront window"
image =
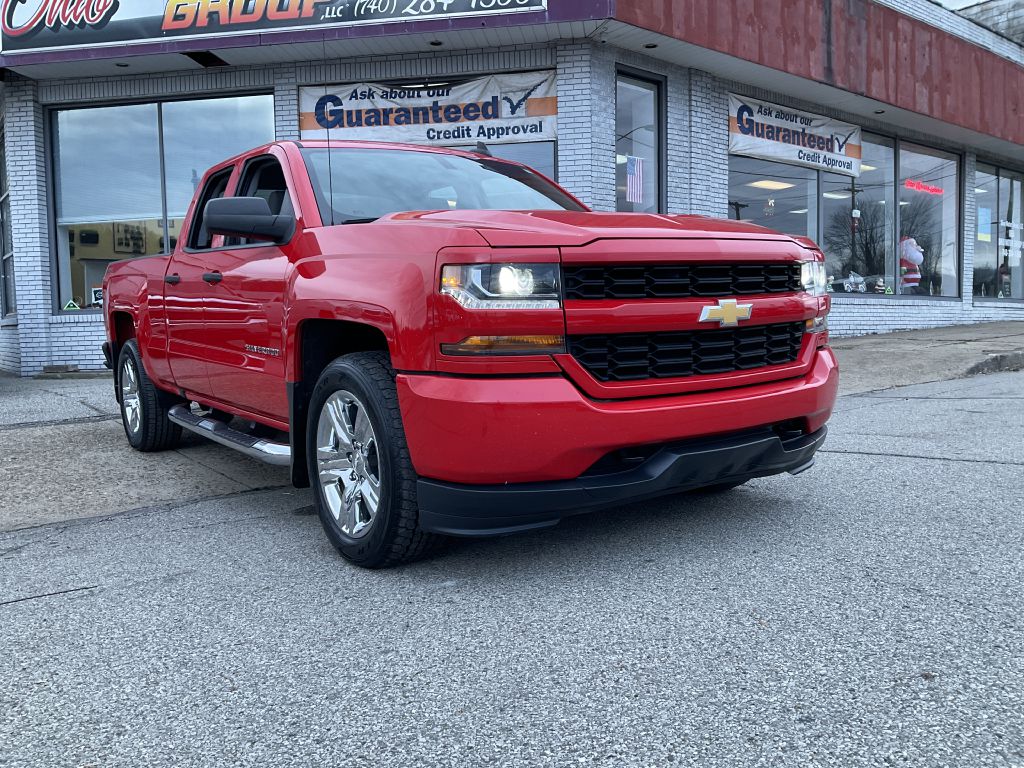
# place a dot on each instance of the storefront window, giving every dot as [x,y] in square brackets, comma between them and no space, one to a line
[8,304]
[858,223]
[888,231]
[929,223]
[117,198]
[774,195]
[986,262]
[999,248]
[637,145]
[108,196]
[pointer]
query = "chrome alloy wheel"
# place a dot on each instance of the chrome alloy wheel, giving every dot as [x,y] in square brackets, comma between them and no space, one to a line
[130,401]
[348,463]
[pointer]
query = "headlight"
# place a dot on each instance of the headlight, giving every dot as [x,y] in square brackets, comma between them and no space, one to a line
[812,275]
[816,325]
[502,286]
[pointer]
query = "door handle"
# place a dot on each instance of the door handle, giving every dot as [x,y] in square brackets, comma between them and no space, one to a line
[212,277]
[172,279]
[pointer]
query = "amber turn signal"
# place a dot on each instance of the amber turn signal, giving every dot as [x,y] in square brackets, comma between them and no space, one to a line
[506,345]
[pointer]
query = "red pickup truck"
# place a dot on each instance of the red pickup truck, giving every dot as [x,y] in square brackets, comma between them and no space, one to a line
[445,343]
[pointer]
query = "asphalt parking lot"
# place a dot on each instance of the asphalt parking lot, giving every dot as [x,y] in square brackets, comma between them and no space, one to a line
[867,612]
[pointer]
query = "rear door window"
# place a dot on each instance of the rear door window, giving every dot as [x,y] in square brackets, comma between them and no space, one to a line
[264,177]
[199,238]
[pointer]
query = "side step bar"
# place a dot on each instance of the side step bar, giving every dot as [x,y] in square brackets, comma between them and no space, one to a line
[279,454]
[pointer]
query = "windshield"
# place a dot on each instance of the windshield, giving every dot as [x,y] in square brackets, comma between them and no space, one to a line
[358,185]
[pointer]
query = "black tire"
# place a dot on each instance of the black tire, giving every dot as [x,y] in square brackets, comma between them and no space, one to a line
[152,431]
[392,535]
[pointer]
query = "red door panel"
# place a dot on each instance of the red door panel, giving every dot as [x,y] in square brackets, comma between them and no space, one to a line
[184,295]
[244,328]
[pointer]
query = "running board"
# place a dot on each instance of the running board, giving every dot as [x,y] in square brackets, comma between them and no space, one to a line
[279,454]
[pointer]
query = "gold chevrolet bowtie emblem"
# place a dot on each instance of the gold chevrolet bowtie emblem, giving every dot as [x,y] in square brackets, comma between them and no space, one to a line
[728,313]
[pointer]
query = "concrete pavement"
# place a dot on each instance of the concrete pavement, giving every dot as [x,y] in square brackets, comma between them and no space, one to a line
[881,361]
[867,612]
[63,455]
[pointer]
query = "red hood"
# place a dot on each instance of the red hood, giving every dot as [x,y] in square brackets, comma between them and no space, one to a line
[575,228]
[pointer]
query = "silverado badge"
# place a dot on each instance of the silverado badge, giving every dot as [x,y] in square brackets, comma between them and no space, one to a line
[728,313]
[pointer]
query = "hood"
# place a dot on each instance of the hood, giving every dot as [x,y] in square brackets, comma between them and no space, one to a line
[576,228]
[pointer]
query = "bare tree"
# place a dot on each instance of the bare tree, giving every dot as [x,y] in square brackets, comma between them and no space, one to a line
[859,244]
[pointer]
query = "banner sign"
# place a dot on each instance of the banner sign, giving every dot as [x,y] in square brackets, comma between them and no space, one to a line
[31,25]
[498,109]
[770,132]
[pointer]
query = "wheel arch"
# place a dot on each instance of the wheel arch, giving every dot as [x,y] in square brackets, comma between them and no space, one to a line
[316,342]
[122,330]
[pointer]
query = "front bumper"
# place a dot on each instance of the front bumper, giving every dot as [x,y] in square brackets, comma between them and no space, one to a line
[489,430]
[486,510]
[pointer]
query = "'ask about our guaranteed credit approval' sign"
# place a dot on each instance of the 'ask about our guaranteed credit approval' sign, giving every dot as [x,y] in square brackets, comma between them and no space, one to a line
[770,132]
[31,25]
[500,109]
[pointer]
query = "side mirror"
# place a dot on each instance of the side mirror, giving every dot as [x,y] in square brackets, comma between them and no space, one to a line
[248,217]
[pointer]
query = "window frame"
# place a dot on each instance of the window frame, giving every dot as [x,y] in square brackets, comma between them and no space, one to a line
[7,312]
[660,82]
[240,183]
[202,199]
[49,134]
[961,191]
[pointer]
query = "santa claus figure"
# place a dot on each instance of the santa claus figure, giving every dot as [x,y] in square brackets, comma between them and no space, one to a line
[911,257]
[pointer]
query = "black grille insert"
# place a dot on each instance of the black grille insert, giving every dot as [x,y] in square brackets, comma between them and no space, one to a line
[671,354]
[677,281]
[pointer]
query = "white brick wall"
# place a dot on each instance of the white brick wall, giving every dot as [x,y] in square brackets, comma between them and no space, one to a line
[709,146]
[26,171]
[586,125]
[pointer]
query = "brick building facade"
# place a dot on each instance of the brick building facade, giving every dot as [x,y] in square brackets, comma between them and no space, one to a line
[590,46]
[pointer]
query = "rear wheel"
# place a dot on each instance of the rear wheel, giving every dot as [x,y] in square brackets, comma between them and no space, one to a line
[143,406]
[359,463]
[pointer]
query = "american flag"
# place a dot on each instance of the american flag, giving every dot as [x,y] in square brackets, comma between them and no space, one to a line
[634,179]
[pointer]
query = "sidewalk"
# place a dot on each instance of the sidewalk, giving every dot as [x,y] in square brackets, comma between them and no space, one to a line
[882,361]
[63,454]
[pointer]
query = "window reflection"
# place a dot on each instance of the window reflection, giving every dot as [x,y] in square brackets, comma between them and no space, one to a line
[1010,237]
[986,197]
[774,195]
[637,143]
[999,247]
[237,124]
[928,222]
[539,155]
[109,185]
[857,223]
[109,207]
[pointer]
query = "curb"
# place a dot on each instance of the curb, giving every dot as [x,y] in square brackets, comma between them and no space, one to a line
[1004,361]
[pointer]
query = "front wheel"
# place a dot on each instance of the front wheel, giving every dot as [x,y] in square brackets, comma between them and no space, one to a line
[143,406]
[359,463]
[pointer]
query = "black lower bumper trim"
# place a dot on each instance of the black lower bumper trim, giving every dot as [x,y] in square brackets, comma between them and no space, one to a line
[486,510]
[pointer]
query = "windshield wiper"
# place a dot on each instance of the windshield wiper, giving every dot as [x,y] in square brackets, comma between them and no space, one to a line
[359,221]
